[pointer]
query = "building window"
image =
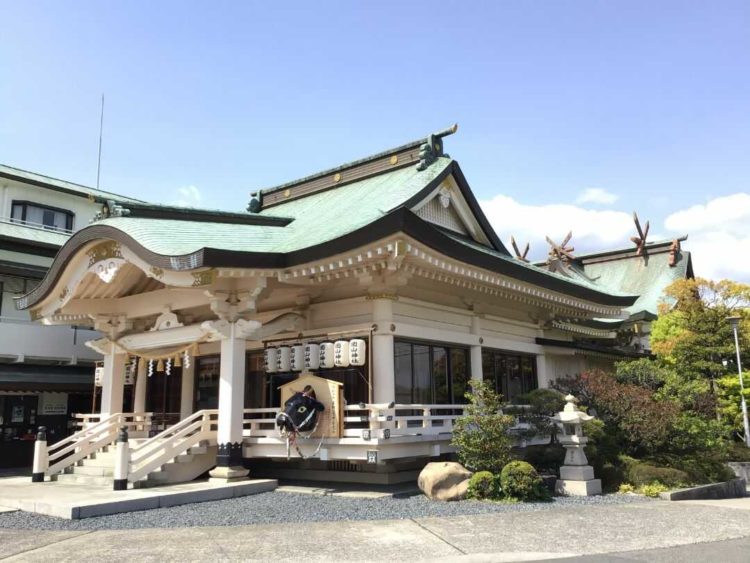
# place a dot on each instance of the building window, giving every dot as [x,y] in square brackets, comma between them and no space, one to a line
[430,374]
[42,216]
[513,374]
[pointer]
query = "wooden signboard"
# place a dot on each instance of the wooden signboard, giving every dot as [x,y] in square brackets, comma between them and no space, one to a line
[330,393]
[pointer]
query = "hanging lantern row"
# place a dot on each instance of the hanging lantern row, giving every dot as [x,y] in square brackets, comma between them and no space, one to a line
[326,355]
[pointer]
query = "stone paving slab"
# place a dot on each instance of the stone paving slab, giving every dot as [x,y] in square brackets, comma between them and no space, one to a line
[343,541]
[7,509]
[517,536]
[15,542]
[73,501]
[598,529]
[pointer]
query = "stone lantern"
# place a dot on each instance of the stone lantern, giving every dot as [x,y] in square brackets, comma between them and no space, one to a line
[576,475]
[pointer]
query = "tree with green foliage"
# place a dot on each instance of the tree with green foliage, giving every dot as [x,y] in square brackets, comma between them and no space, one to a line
[481,435]
[695,350]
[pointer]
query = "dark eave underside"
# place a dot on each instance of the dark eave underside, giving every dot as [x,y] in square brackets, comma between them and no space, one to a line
[400,220]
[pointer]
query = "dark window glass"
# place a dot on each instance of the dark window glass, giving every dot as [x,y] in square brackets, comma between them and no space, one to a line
[422,385]
[459,375]
[440,375]
[513,374]
[430,374]
[403,368]
[42,216]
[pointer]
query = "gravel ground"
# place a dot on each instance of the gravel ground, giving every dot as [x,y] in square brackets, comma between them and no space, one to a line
[281,507]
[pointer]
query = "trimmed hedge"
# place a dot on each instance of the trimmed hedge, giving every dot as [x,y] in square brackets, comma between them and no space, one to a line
[520,481]
[639,474]
[484,485]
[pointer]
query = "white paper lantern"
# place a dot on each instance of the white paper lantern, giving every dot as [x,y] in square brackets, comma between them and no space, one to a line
[99,376]
[357,352]
[326,355]
[298,357]
[312,356]
[270,357]
[341,353]
[284,359]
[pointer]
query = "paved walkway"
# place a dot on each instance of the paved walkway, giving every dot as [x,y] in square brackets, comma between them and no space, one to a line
[518,536]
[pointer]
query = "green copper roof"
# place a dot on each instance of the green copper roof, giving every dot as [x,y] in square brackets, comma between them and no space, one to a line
[172,237]
[60,185]
[636,275]
[330,214]
[531,267]
[316,219]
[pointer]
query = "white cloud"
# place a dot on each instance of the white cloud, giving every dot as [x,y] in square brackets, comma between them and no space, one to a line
[597,195]
[719,236]
[593,230]
[188,196]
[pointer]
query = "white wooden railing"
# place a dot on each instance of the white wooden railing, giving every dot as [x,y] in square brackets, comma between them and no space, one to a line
[398,420]
[143,421]
[89,440]
[174,441]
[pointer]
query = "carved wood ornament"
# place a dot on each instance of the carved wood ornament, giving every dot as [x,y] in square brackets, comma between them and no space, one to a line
[640,240]
[520,256]
[562,251]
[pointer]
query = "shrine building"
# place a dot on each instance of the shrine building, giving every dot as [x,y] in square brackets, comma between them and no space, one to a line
[382,276]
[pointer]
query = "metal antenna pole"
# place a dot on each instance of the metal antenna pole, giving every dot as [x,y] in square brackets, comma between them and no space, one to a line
[101,128]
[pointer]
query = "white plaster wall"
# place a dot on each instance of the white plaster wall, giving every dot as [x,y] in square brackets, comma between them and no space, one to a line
[36,341]
[81,207]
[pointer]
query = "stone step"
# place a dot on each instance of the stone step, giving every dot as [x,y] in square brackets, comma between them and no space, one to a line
[84,479]
[90,470]
[97,462]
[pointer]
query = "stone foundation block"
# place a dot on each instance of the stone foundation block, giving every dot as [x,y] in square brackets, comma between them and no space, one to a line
[571,488]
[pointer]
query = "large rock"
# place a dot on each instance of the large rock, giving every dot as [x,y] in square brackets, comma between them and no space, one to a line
[444,480]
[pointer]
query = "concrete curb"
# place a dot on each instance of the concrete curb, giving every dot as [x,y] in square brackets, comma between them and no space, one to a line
[736,488]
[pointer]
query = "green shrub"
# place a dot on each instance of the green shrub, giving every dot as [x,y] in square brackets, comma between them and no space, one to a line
[541,405]
[626,488]
[707,467]
[639,473]
[738,451]
[520,481]
[484,485]
[653,489]
[545,458]
[611,475]
[481,435]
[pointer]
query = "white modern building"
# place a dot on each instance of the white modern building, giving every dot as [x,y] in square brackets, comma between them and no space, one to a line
[46,372]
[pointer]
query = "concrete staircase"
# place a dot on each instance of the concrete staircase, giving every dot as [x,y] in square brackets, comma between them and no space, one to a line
[98,468]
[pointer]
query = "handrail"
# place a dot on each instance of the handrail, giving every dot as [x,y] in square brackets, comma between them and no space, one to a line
[83,443]
[76,437]
[172,442]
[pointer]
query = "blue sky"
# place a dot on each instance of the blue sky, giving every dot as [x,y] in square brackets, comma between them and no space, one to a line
[572,114]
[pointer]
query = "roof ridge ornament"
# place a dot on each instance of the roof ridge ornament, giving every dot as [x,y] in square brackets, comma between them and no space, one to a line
[111,209]
[519,256]
[674,252]
[640,240]
[560,255]
[432,148]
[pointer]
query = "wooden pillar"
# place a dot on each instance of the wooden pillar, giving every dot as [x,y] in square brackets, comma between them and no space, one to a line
[231,406]
[542,374]
[113,384]
[141,383]
[383,372]
[187,393]
[475,359]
